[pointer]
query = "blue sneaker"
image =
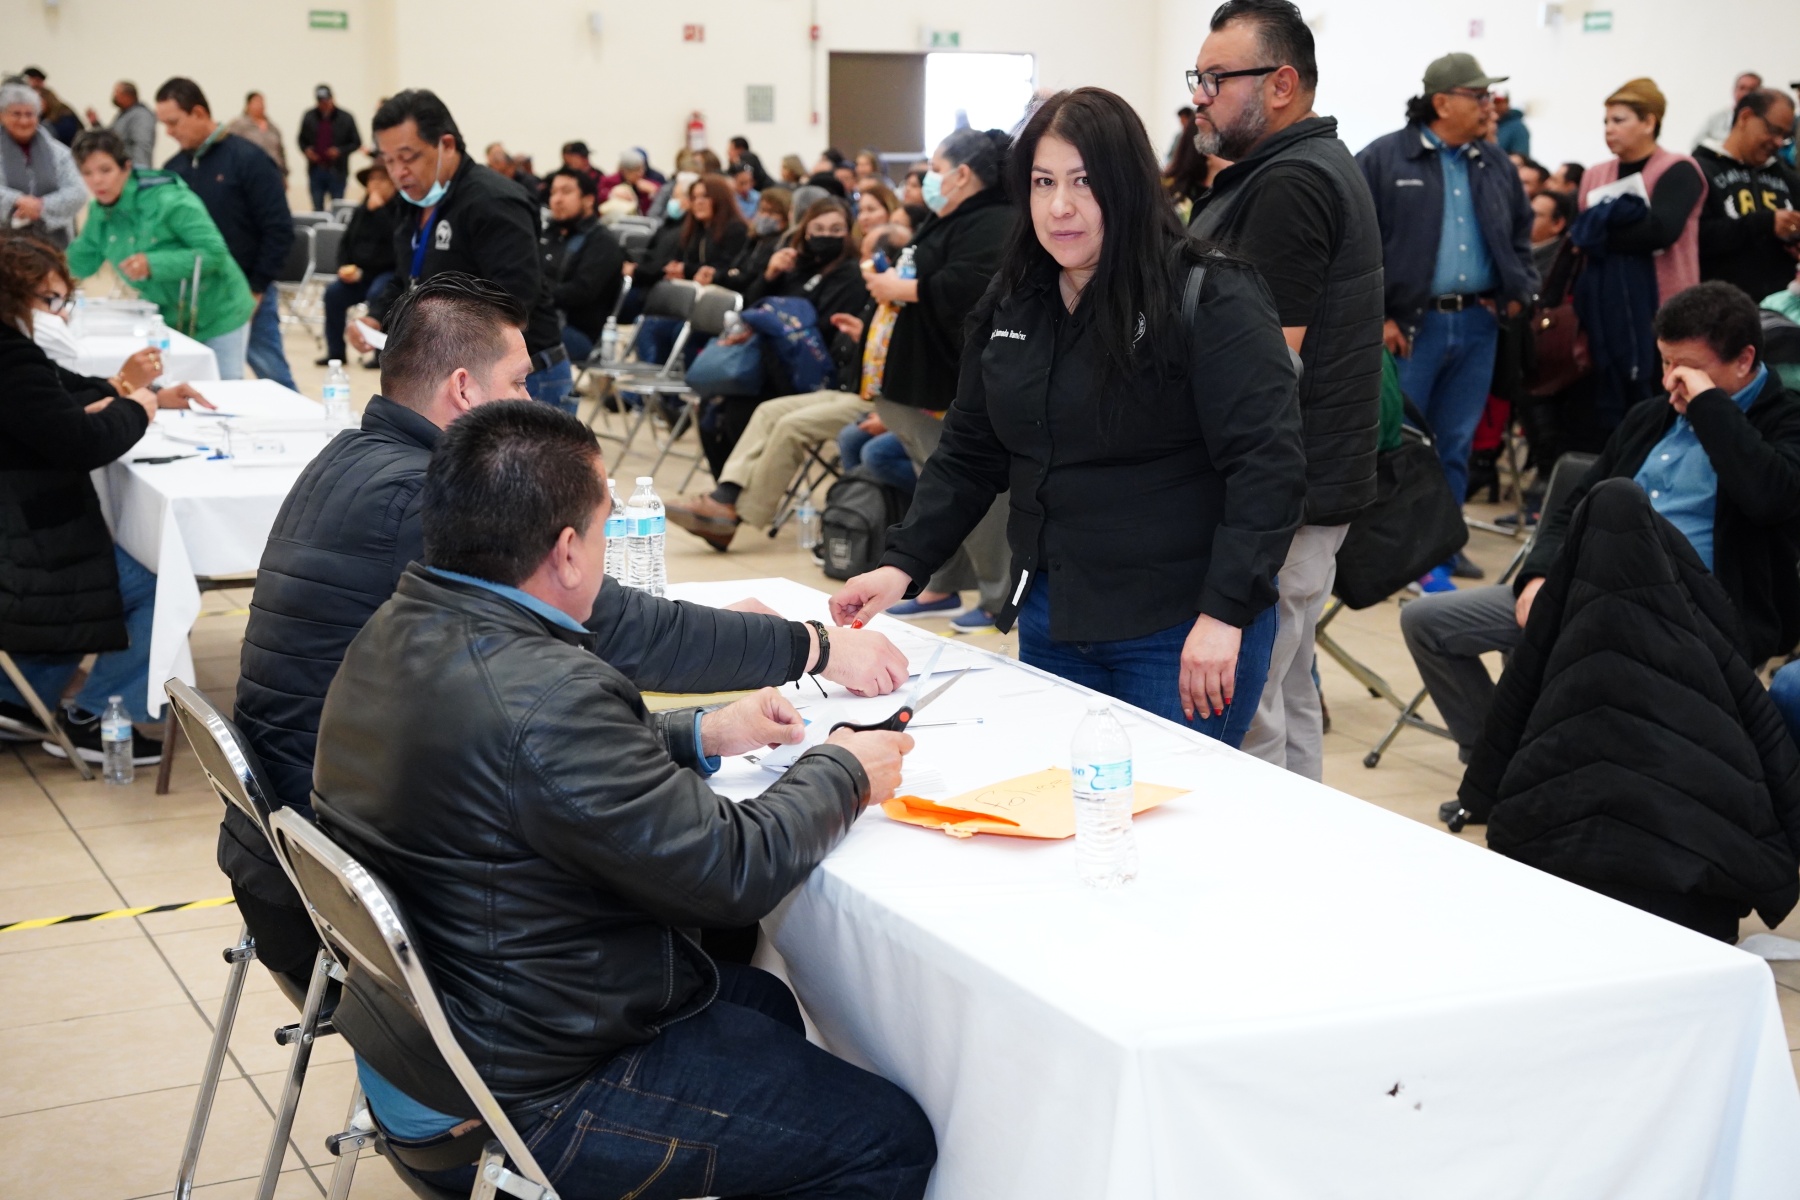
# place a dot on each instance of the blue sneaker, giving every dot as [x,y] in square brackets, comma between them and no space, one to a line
[915,608]
[1437,580]
[973,621]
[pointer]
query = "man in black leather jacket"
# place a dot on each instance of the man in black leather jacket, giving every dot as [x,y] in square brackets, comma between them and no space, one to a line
[351,525]
[554,844]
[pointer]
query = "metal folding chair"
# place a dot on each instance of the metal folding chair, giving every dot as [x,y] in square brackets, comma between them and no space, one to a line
[708,319]
[232,769]
[813,471]
[363,927]
[630,376]
[45,717]
[298,267]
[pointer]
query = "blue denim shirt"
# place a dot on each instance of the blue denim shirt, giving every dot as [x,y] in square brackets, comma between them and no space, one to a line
[1463,262]
[1681,482]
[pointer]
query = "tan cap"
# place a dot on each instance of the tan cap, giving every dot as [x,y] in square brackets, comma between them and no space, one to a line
[1642,94]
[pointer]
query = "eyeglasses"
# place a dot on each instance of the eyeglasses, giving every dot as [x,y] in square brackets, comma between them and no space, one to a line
[54,301]
[1482,97]
[1208,81]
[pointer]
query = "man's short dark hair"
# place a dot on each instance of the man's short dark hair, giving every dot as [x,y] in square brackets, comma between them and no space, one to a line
[580,148]
[34,73]
[1760,102]
[185,93]
[1715,312]
[90,142]
[249,96]
[1281,33]
[830,183]
[582,179]
[505,480]
[1563,204]
[421,106]
[1529,163]
[129,88]
[450,320]
[741,142]
[1573,171]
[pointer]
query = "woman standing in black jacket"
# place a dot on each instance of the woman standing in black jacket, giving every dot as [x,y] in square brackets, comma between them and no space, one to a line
[65,589]
[1154,460]
[955,253]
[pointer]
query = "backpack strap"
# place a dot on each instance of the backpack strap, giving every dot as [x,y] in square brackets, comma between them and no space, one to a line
[1190,297]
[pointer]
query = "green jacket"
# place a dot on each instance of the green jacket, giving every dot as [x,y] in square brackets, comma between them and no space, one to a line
[159,216]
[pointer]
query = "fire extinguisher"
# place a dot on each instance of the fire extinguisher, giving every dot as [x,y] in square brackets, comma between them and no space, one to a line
[696,133]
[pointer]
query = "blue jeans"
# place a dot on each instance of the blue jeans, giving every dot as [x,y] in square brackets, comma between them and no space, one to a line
[1784,690]
[880,454]
[229,349]
[731,1102]
[553,385]
[340,297]
[123,673]
[322,182]
[265,354]
[1146,671]
[1448,375]
[578,344]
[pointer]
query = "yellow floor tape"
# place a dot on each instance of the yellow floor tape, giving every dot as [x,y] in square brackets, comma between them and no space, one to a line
[45,922]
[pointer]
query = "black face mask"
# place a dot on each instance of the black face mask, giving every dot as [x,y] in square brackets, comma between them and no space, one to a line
[824,249]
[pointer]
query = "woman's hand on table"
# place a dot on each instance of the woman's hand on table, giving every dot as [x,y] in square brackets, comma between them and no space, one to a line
[764,718]
[182,395]
[868,594]
[880,755]
[135,268]
[1209,667]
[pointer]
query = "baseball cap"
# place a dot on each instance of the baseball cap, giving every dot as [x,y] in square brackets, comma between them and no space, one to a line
[1458,71]
[321,92]
[580,148]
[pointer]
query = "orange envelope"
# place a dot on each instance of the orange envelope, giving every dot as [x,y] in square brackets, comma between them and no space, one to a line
[1040,805]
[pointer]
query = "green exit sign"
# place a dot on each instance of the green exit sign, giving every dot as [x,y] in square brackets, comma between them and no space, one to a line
[944,39]
[1597,22]
[327,18]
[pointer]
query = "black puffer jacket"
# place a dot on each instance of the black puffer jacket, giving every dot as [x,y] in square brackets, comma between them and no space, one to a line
[59,586]
[1631,747]
[340,544]
[956,257]
[544,833]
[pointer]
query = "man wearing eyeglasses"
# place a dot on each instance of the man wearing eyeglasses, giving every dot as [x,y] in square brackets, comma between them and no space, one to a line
[1749,226]
[1456,245]
[1293,204]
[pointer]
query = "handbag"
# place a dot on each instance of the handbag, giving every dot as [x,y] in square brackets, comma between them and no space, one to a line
[1414,525]
[723,369]
[1560,344]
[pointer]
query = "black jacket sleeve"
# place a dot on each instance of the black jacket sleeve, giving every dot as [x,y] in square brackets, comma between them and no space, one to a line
[1761,476]
[1244,390]
[595,273]
[44,425]
[1672,201]
[972,255]
[671,646]
[504,242]
[265,194]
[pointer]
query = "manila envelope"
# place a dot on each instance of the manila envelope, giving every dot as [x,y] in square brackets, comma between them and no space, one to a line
[1040,805]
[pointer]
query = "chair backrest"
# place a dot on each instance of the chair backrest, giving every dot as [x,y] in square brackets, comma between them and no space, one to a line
[341,210]
[327,240]
[1565,477]
[225,757]
[312,218]
[299,262]
[361,924]
[712,305]
[672,298]
[636,240]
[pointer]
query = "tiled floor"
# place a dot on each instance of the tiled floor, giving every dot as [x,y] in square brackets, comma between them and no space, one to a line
[104,1026]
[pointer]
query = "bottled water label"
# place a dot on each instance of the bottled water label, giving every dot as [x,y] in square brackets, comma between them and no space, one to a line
[648,526]
[1102,777]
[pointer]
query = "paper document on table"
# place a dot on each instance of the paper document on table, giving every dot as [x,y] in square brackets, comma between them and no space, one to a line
[1039,805]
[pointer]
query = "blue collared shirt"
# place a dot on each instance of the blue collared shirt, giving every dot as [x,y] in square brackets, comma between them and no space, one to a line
[1680,480]
[707,766]
[1463,262]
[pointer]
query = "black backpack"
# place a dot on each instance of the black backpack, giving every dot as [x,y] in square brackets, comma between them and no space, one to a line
[858,511]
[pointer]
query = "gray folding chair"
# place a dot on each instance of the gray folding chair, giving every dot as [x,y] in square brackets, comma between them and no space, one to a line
[312,218]
[45,717]
[231,767]
[297,268]
[708,319]
[631,376]
[341,210]
[363,926]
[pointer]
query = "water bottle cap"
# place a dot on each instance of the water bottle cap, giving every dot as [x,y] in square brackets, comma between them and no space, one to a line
[645,480]
[337,362]
[115,699]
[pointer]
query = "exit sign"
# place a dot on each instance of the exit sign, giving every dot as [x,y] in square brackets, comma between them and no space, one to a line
[693,33]
[1597,22]
[943,39]
[327,18]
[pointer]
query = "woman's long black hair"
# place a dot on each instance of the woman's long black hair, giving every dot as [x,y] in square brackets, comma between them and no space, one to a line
[1141,239]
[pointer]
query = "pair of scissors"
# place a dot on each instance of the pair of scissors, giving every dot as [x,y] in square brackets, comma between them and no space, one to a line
[913,704]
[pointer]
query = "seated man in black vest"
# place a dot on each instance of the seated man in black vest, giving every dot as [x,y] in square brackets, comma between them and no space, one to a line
[351,525]
[1718,457]
[555,845]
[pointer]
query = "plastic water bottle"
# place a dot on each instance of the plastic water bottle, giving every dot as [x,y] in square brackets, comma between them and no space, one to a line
[115,741]
[609,341]
[618,554]
[644,538]
[806,519]
[78,315]
[905,268]
[337,395]
[1100,761]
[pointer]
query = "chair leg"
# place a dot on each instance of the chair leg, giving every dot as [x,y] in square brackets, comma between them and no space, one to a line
[359,1131]
[43,714]
[290,1092]
[239,957]
[171,744]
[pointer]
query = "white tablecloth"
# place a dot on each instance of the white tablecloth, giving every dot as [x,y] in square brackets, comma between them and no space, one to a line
[187,361]
[200,517]
[1302,995]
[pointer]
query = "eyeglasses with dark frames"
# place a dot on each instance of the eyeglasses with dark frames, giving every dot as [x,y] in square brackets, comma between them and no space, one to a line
[54,301]
[1208,81]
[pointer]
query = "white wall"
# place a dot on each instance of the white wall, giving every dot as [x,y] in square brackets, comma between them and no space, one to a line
[531,73]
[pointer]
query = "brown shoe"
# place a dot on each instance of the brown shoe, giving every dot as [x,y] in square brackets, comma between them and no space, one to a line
[705,518]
